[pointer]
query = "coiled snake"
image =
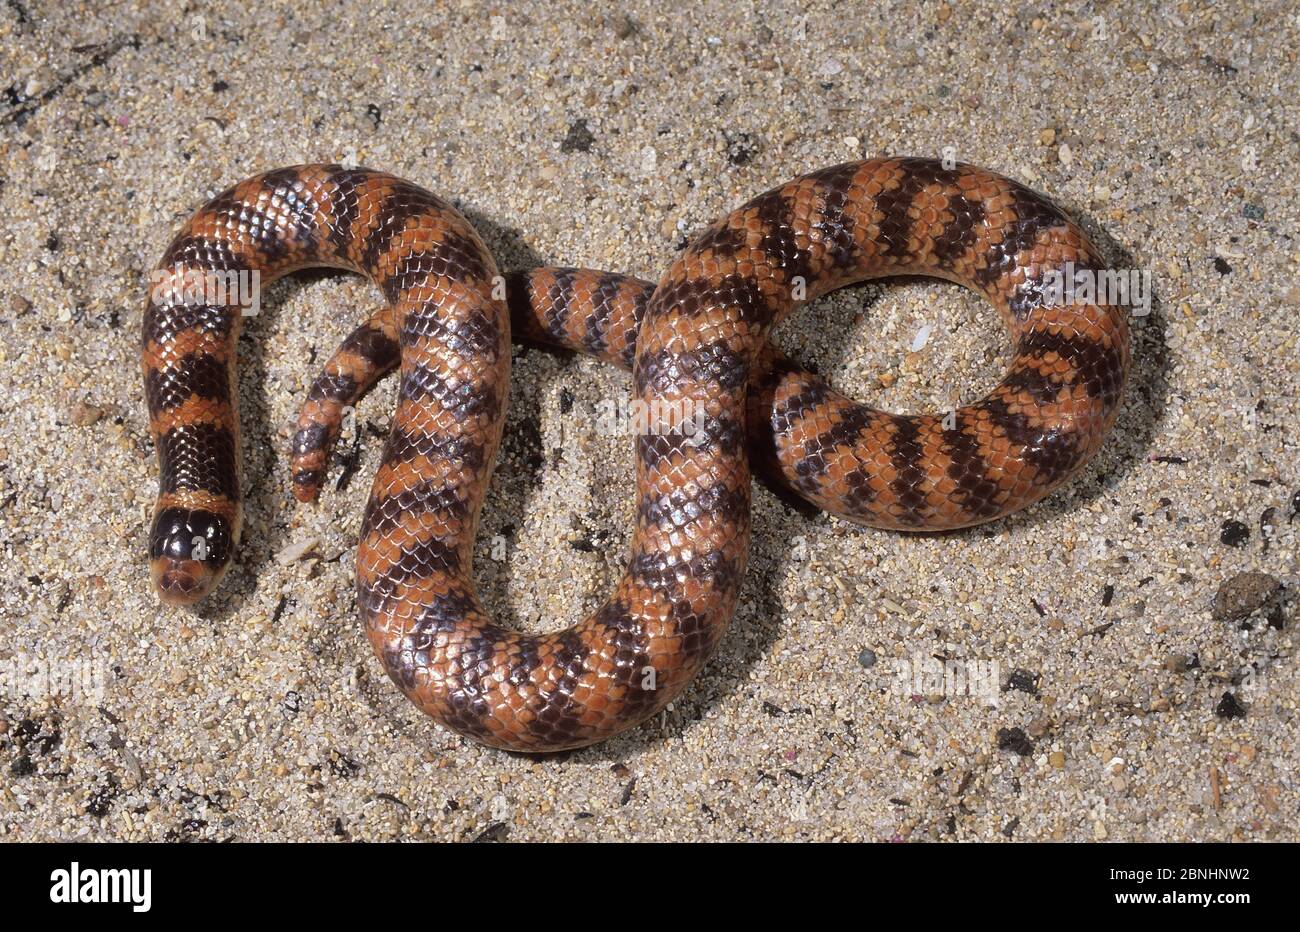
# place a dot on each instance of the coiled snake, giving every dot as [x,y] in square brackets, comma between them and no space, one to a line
[697,341]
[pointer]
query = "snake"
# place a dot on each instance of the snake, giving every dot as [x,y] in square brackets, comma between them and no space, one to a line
[696,340]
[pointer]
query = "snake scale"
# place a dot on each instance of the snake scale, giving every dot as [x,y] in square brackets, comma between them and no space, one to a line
[697,339]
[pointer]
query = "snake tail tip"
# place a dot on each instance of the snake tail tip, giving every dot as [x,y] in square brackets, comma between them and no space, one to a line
[307,483]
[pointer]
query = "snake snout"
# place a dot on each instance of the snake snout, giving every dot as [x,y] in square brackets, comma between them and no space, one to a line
[182,582]
[189,551]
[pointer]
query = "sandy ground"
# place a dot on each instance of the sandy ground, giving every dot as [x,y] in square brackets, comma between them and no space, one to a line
[1093,663]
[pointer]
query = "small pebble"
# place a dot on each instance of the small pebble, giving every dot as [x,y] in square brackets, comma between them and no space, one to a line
[1022,680]
[84,415]
[1229,707]
[1246,593]
[1015,739]
[1039,726]
[623,25]
[578,139]
[297,550]
[1234,533]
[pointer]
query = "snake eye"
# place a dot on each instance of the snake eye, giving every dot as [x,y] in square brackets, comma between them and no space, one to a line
[189,551]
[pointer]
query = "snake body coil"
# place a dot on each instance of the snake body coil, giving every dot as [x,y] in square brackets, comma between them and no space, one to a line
[696,341]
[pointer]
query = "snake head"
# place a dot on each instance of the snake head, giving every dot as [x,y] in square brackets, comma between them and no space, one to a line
[189,552]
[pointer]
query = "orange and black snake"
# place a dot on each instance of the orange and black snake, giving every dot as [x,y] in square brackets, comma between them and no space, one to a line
[695,342]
